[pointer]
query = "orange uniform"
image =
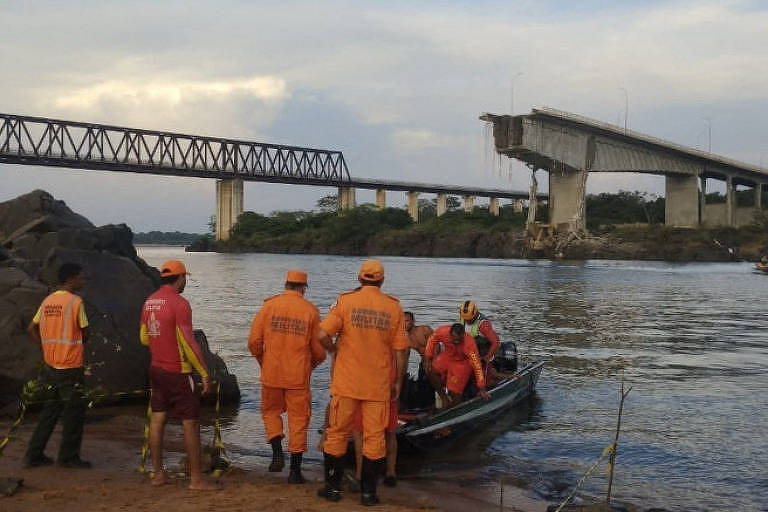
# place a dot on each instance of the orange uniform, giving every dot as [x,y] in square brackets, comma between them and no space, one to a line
[284,340]
[61,318]
[456,362]
[370,325]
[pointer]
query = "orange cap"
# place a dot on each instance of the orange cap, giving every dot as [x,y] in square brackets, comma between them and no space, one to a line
[296,276]
[173,268]
[371,270]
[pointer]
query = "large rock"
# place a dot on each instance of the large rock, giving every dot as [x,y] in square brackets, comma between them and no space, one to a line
[38,234]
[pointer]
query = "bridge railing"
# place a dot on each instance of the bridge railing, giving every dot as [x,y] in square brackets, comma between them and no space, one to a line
[50,142]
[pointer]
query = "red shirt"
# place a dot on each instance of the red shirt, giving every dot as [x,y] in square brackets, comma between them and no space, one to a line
[166,326]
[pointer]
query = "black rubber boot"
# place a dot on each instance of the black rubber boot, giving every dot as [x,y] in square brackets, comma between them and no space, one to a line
[295,476]
[278,460]
[334,472]
[368,478]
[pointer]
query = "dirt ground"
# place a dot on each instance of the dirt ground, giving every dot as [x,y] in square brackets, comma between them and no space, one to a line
[112,443]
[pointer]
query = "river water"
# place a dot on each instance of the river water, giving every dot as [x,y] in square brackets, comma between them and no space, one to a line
[690,339]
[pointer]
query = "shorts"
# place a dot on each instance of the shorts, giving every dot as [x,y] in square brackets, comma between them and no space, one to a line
[392,424]
[454,373]
[174,393]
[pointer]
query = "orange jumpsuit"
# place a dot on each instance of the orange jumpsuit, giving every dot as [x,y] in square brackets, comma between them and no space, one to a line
[457,361]
[370,325]
[284,340]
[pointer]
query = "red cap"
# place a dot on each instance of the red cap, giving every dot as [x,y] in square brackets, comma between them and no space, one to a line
[371,270]
[296,276]
[173,268]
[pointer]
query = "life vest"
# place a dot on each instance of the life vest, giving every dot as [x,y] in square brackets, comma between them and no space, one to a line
[473,329]
[60,331]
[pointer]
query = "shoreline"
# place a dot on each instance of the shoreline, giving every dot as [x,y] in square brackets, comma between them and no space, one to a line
[112,442]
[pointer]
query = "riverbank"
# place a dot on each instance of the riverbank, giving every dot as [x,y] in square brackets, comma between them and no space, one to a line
[112,442]
[505,240]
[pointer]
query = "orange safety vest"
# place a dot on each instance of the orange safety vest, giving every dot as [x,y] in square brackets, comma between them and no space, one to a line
[60,330]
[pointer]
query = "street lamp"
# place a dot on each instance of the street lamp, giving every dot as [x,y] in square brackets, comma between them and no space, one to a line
[626,107]
[512,93]
[709,130]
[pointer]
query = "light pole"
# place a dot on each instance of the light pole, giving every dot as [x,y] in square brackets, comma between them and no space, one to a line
[626,107]
[512,93]
[709,130]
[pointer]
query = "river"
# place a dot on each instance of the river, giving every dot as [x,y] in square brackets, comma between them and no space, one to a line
[690,339]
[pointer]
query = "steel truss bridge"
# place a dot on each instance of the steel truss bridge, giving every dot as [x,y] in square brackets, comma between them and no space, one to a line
[41,141]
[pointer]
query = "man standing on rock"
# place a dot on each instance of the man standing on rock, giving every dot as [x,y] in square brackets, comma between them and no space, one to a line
[370,325]
[166,326]
[284,340]
[60,327]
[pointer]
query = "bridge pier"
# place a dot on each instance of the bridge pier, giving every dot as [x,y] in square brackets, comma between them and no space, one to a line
[518,206]
[381,198]
[413,205]
[493,206]
[566,200]
[469,203]
[229,206]
[681,201]
[442,204]
[346,198]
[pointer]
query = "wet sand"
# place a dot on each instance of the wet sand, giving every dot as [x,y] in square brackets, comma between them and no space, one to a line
[112,442]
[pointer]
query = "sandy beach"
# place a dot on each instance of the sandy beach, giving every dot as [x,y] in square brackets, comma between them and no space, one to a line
[112,442]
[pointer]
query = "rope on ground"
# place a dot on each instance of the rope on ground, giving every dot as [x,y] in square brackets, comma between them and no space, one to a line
[606,451]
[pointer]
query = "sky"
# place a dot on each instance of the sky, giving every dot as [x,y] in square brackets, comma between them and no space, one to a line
[396,86]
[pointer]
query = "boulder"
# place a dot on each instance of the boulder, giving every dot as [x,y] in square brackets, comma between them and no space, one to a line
[38,234]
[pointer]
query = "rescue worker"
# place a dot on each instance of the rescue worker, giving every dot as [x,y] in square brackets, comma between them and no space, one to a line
[370,325]
[60,328]
[166,327]
[454,365]
[481,330]
[284,341]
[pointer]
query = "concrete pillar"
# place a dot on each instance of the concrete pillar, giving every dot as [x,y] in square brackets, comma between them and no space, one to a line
[730,200]
[566,200]
[493,206]
[229,206]
[759,196]
[681,201]
[381,198]
[518,205]
[469,203]
[413,205]
[346,198]
[442,204]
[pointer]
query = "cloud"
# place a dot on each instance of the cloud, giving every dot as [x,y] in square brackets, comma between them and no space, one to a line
[267,88]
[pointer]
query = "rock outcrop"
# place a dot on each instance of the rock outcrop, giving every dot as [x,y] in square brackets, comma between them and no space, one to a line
[37,234]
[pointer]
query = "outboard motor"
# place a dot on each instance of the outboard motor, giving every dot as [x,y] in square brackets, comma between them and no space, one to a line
[505,360]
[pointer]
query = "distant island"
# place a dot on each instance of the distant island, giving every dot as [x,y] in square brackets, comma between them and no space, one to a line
[165,238]
[625,225]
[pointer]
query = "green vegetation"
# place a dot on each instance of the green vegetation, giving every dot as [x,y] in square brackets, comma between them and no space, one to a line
[626,225]
[165,238]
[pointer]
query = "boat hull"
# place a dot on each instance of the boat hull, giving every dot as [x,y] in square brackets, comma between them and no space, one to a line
[440,430]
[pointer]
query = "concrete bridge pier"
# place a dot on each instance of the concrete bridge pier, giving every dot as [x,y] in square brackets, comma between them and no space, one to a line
[442,204]
[518,206]
[566,200]
[469,203]
[346,198]
[413,205]
[229,206]
[493,206]
[381,198]
[681,201]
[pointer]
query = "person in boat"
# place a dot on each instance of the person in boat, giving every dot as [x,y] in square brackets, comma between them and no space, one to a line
[418,335]
[451,369]
[480,328]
